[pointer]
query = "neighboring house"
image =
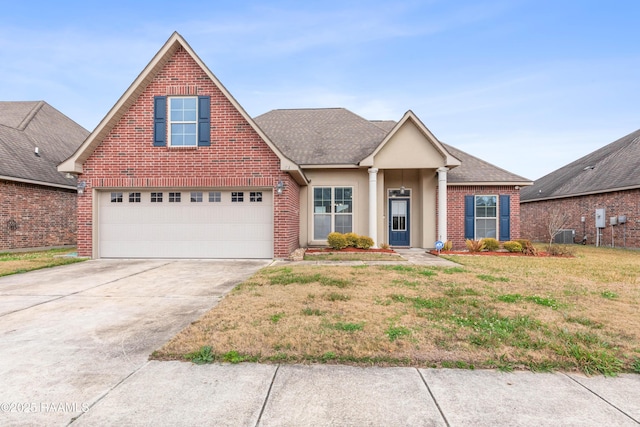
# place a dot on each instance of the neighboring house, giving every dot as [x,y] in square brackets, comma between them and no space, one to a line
[177,168]
[605,183]
[37,203]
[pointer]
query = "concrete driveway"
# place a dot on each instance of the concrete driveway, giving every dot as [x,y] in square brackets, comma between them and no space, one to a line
[69,335]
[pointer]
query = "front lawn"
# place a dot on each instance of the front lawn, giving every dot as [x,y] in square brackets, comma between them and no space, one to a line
[508,313]
[21,262]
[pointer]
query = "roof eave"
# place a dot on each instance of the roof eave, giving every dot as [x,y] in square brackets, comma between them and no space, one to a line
[35,182]
[493,183]
[585,193]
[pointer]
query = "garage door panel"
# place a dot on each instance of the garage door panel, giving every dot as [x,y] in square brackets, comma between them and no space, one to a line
[186,229]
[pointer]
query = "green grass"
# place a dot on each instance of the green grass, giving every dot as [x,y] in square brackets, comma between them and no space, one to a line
[21,262]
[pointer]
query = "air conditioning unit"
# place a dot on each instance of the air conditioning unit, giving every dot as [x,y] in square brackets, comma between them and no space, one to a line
[565,237]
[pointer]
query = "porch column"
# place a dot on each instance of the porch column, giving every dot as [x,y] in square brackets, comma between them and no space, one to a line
[442,204]
[373,205]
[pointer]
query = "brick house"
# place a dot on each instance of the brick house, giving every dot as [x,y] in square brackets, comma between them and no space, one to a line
[37,203]
[178,169]
[605,182]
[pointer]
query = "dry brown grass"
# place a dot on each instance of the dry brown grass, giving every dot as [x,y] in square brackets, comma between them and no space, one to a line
[20,262]
[507,312]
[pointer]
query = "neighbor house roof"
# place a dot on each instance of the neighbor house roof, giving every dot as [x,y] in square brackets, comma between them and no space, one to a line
[614,167]
[336,136]
[25,126]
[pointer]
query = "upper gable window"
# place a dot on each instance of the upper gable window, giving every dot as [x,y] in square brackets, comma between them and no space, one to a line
[183,121]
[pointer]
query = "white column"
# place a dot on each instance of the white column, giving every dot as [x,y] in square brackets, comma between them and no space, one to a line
[442,204]
[373,205]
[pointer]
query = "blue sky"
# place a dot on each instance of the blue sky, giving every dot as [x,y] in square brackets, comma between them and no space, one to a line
[528,85]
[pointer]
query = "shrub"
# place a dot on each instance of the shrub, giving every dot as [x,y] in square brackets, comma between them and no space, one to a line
[491,244]
[562,250]
[529,249]
[352,239]
[364,242]
[337,241]
[448,245]
[523,242]
[475,245]
[384,246]
[512,246]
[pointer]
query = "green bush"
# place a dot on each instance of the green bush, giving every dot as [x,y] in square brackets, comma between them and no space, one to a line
[337,241]
[364,242]
[512,246]
[352,239]
[491,244]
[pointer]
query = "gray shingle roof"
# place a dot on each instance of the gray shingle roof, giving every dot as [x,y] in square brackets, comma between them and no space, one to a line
[338,136]
[614,166]
[325,136]
[474,169]
[25,125]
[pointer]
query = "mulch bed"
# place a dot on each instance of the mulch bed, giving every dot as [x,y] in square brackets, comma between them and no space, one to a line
[488,253]
[350,250]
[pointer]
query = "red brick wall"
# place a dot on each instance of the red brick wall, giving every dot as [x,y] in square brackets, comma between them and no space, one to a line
[535,217]
[455,207]
[34,216]
[237,156]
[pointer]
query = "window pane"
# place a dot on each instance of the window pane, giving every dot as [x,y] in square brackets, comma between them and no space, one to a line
[189,109]
[485,228]
[343,223]
[215,196]
[116,197]
[322,200]
[321,226]
[343,200]
[196,196]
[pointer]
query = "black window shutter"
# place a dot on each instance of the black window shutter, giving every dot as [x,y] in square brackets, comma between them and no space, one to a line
[204,121]
[159,121]
[469,217]
[505,218]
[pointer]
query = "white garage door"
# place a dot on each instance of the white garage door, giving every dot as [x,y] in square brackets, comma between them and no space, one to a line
[185,224]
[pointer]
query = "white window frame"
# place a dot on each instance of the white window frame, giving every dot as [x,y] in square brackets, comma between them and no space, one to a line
[334,209]
[476,217]
[171,121]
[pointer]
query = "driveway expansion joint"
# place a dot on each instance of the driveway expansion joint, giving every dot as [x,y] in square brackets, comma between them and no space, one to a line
[435,401]
[266,398]
[600,397]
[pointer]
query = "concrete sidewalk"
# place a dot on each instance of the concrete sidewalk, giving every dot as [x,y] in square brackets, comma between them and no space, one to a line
[177,393]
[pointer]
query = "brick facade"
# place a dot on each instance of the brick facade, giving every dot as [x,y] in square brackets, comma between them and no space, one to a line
[455,207]
[237,157]
[535,217]
[33,216]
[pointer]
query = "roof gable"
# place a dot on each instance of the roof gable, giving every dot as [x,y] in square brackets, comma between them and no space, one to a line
[27,125]
[406,134]
[613,167]
[75,163]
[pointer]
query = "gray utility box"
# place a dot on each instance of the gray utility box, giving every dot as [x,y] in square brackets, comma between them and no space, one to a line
[601,219]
